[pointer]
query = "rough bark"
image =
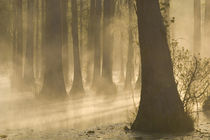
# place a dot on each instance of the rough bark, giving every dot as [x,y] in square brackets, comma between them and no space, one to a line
[53,85]
[160,109]
[77,87]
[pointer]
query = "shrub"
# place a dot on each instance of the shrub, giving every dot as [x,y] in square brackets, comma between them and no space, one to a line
[192,74]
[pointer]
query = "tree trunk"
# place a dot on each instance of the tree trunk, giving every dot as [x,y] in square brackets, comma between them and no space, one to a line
[53,85]
[36,57]
[77,87]
[18,46]
[14,44]
[108,43]
[129,66]
[29,69]
[97,41]
[91,36]
[197,27]
[161,109]
[64,26]
[81,32]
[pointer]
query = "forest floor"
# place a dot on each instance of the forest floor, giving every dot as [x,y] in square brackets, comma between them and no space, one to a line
[23,117]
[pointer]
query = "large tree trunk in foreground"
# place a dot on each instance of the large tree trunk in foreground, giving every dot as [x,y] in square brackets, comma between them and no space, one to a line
[53,85]
[197,27]
[161,109]
[29,69]
[77,87]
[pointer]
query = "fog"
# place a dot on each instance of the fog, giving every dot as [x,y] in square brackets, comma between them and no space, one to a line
[24,114]
[182,29]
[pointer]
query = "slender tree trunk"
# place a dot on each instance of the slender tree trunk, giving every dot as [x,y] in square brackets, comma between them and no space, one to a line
[29,69]
[18,46]
[53,85]
[91,36]
[161,109]
[43,39]
[77,87]
[81,32]
[36,57]
[65,38]
[97,41]
[107,42]
[14,44]
[129,66]
[197,27]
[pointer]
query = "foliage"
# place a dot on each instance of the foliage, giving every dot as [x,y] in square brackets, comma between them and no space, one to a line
[192,74]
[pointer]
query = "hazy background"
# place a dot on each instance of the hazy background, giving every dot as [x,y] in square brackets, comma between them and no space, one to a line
[183,11]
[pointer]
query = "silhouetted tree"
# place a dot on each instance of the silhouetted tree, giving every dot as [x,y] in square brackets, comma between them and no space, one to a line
[91,39]
[17,77]
[160,109]
[53,85]
[109,6]
[29,69]
[81,31]
[97,42]
[64,4]
[77,87]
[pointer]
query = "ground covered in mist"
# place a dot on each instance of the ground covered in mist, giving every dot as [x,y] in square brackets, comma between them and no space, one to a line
[24,117]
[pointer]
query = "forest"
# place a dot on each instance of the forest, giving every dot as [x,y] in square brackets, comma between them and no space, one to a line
[104,69]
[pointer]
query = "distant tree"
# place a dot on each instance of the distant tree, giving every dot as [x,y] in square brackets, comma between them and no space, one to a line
[17,76]
[160,109]
[28,67]
[97,42]
[91,39]
[81,31]
[64,4]
[53,85]
[77,87]
[108,14]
